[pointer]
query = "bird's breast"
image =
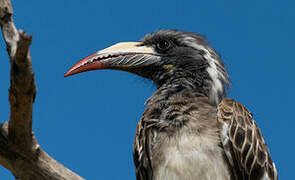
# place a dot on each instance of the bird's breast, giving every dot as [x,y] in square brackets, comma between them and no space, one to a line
[184,138]
[190,157]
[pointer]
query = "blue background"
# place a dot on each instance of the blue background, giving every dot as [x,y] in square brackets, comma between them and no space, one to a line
[87,122]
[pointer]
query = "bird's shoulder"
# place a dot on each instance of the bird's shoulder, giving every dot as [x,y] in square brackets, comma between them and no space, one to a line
[245,149]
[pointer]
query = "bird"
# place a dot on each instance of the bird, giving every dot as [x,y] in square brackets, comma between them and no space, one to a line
[189,129]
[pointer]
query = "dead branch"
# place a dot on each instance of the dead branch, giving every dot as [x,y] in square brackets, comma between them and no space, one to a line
[20,153]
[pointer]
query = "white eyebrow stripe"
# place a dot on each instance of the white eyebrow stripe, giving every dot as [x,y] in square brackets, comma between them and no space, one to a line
[213,69]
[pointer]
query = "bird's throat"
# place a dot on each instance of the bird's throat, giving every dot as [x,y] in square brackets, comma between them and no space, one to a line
[171,104]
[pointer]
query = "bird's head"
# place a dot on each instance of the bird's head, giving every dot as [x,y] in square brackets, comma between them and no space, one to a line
[165,57]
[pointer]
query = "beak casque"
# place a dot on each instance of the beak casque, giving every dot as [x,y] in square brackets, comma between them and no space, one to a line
[122,56]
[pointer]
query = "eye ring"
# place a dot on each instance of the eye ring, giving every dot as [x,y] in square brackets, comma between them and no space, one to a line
[163,45]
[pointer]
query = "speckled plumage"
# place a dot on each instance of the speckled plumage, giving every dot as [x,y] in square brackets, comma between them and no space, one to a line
[181,136]
[184,135]
[189,130]
[177,138]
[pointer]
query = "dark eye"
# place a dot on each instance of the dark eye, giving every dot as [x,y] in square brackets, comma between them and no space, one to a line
[163,45]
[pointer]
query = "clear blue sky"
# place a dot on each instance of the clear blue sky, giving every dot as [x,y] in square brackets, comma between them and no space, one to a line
[87,121]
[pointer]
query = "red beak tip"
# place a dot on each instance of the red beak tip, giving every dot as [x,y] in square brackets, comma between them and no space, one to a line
[68,73]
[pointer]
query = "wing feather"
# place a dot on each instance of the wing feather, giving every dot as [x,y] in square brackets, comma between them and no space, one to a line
[244,146]
[141,153]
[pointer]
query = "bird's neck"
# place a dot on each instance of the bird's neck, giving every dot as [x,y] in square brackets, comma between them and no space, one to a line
[171,105]
[175,87]
[188,84]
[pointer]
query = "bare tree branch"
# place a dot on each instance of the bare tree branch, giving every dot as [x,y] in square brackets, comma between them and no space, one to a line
[19,151]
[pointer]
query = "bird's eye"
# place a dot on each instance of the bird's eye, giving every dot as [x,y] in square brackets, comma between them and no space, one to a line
[163,45]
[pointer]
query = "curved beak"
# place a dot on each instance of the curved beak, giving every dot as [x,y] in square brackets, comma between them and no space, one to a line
[126,56]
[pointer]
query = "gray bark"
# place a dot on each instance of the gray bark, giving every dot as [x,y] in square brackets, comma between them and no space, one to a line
[20,152]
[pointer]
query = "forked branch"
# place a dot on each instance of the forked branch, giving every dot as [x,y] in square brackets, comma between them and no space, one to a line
[20,153]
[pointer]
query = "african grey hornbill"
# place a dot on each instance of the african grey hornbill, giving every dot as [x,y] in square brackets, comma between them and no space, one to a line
[189,130]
